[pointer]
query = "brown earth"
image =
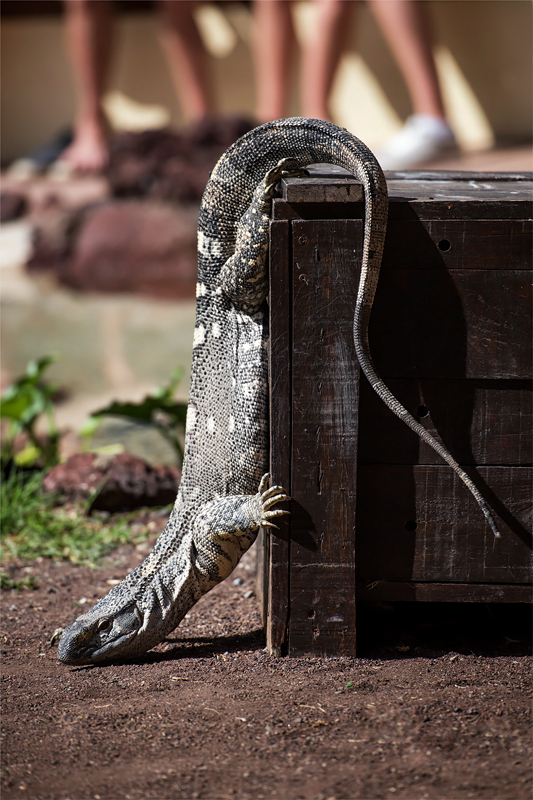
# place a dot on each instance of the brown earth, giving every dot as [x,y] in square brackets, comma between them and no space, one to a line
[436,706]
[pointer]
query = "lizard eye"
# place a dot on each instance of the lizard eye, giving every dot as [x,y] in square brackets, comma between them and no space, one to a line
[105,625]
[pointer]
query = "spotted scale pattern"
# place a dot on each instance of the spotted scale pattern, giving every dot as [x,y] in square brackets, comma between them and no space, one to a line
[223,497]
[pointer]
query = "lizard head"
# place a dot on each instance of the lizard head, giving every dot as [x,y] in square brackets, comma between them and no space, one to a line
[101,634]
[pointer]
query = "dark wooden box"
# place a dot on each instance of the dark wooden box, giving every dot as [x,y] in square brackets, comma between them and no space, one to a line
[376,515]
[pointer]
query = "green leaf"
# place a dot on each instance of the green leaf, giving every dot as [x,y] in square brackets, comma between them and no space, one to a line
[90,425]
[144,410]
[35,369]
[28,456]
[23,403]
[167,392]
[159,410]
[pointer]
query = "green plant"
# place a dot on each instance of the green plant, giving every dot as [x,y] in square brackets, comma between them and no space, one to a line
[22,404]
[159,410]
[17,584]
[32,525]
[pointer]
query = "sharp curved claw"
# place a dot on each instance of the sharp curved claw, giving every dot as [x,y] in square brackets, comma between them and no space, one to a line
[271,497]
[278,512]
[273,490]
[279,498]
[264,483]
[286,168]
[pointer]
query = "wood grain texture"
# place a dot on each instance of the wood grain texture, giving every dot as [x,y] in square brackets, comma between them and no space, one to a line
[421,523]
[428,196]
[458,244]
[408,591]
[322,190]
[324,438]
[450,333]
[480,422]
[466,323]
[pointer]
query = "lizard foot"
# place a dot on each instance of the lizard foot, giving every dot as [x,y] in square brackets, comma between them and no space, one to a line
[271,497]
[286,168]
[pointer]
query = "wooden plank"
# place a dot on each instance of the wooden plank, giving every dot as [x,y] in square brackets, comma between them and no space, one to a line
[276,543]
[459,244]
[437,323]
[459,193]
[414,177]
[430,195]
[421,523]
[462,176]
[322,190]
[405,210]
[324,438]
[390,591]
[282,210]
[481,422]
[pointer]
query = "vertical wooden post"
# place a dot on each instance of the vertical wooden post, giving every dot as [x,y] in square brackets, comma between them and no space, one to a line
[314,405]
[325,392]
[276,544]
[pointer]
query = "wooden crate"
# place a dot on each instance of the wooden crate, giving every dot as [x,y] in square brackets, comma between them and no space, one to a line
[376,515]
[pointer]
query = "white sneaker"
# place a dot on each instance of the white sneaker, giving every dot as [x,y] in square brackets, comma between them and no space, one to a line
[422,138]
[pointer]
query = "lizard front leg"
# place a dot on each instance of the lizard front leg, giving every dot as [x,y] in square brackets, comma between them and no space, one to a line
[244,276]
[225,528]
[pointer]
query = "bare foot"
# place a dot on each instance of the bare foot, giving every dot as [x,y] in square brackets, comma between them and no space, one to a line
[88,152]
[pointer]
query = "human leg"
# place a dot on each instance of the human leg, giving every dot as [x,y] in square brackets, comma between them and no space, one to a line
[89,33]
[405,27]
[274,43]
[426,134]
[321,55]
[187,57]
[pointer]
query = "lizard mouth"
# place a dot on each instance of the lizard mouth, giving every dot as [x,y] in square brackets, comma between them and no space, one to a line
[91,639]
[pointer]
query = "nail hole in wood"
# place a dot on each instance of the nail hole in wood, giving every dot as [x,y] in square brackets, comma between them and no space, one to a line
[410,525]
[444,245]
[422,411]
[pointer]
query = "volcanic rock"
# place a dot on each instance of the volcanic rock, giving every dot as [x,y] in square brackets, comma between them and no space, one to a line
[122,483]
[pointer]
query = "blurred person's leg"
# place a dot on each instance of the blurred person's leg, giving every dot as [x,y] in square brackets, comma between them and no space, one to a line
[187,57]
[321,55]
[405,27]
[274,43]
[426,134]
[89,32]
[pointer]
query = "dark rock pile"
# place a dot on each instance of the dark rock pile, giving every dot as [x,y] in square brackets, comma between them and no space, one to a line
[13,205]
[171,166]
[120,483]
[143,239]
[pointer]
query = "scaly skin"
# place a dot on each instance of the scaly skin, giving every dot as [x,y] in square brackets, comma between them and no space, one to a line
[218,509]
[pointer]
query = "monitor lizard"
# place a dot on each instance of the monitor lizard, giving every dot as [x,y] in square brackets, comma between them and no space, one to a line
[223,497]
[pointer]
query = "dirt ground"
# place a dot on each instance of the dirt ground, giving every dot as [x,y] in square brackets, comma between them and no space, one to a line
[436,706]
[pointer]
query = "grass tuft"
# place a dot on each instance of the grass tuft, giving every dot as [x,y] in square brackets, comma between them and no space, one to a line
[33,525]
[18,584]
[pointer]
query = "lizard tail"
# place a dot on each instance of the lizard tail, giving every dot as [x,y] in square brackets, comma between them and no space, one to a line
[369,172]
[360,329]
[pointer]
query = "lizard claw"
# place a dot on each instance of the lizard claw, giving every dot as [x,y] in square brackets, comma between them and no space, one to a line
[271,501]
[264,483]
[271,497]
[286,168]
